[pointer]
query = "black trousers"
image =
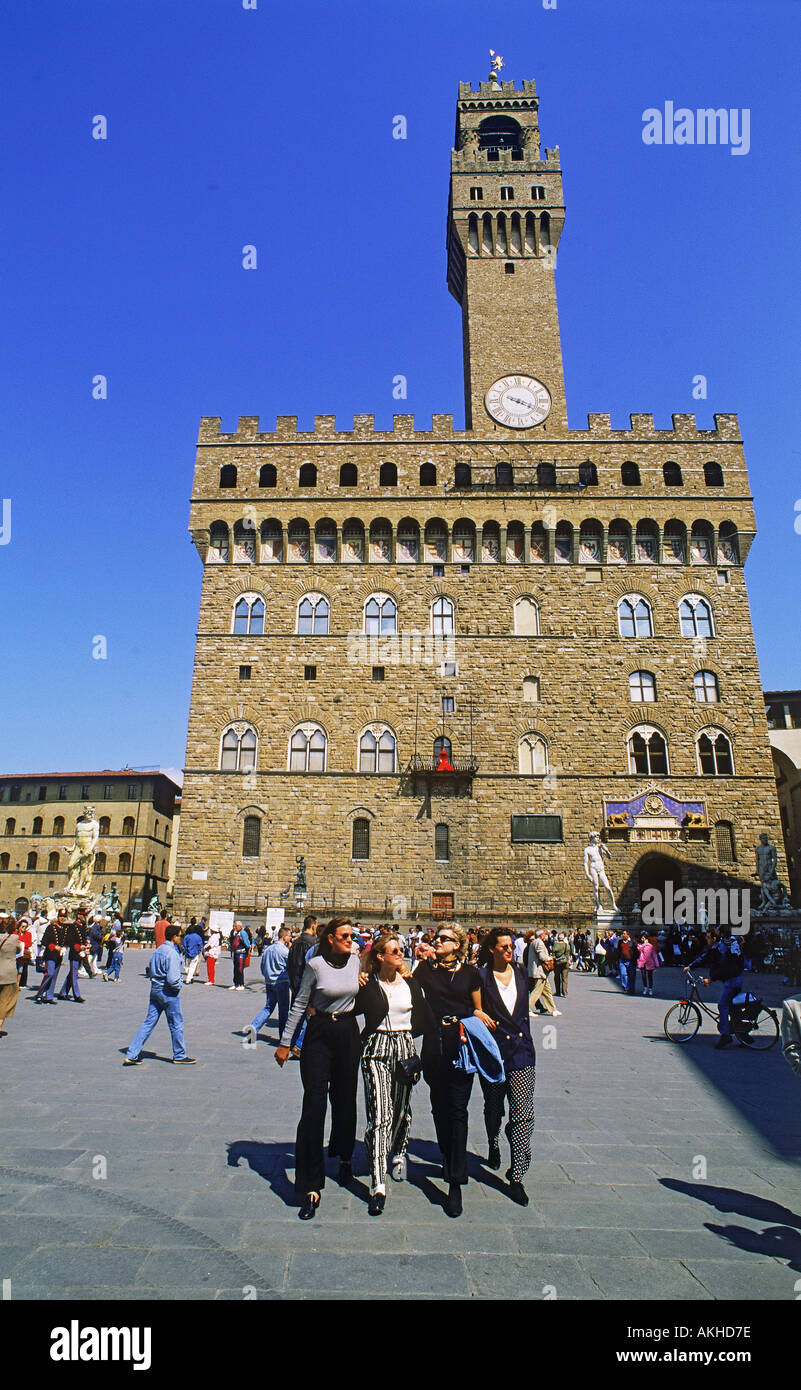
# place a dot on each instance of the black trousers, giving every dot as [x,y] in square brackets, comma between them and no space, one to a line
[450,1090]
[329,1066]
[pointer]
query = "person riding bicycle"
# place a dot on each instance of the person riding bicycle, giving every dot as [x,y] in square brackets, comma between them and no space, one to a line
[723,961]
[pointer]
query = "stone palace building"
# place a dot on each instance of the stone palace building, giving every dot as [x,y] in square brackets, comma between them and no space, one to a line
[432,660]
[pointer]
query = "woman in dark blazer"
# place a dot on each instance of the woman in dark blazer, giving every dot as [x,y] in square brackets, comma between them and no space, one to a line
[395,1012]
[504,999]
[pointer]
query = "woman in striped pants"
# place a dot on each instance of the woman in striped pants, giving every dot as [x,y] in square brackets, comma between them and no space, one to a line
[395,1012]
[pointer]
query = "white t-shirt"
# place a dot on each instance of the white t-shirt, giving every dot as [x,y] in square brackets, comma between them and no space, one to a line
[508,992]
[519,950]
[399,997]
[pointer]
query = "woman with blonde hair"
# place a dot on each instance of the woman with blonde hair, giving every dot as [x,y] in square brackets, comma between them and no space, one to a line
[395,1012]
[453,992]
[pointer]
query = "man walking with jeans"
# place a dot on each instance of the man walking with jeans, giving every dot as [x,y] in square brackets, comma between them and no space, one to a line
[165,998]
[276,979]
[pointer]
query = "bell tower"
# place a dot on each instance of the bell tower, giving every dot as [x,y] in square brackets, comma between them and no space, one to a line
[505,218]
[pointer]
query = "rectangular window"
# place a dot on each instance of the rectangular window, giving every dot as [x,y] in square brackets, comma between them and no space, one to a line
[378,673]
[438,571]
[62,791]
[310,673]
[449,670]
[509,268]
[84,789]
[251,837]
[133,791]
[724,578]
[448,704]
[476,195]
[465,569]
[108,791]
[245,672]
[16,791]
[538,193]
[43,792]
[536,830]
[507,193]
[442,846]
[361,839]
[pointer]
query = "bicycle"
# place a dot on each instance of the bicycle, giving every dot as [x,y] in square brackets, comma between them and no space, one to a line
[759,1029]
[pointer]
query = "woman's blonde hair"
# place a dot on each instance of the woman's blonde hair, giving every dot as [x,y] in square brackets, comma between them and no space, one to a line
[370,961]
[459,933]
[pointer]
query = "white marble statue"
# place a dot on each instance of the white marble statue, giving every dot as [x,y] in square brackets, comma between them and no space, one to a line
[595,869]
[81,862]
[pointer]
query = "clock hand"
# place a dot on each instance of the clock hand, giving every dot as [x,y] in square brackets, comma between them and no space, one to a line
[519,400]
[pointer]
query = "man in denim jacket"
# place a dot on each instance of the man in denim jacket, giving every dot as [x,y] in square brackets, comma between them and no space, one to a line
[165,998]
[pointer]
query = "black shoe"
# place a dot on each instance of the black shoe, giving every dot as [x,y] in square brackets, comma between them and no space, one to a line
[726,1040]
[494,1155]
[375,1206]
[309,1208]
[184,1061]
[80,1000]
[345,1172]
[132,1062]
[453,1202]
[518,1193]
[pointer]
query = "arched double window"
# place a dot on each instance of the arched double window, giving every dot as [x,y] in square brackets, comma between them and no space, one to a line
[532,755]
[634,618]
[714,754]
[249,615]
[648,751]
[307,749]
[705,685]
[313,615]
[442,616]
[695,616]
[238,748]
[377,750]
[380,614]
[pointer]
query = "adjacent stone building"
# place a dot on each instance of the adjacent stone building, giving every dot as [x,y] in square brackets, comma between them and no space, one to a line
[134,811]
[784,722]
[561,612]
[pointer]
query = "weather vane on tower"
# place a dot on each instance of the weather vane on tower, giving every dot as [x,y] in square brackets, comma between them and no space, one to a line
[497,64]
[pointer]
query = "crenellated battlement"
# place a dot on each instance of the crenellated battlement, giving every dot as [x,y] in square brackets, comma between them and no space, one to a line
[500,92]
[599,427]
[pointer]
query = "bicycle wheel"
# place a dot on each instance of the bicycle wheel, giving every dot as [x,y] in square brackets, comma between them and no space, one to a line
[764,1033]
[682,1021]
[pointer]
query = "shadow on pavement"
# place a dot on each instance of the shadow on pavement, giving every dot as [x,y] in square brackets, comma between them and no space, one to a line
[782,1241]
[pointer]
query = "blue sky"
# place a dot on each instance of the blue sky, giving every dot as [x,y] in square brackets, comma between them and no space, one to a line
[273,126]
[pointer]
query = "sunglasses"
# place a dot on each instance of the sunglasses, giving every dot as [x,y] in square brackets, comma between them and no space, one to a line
[448,938]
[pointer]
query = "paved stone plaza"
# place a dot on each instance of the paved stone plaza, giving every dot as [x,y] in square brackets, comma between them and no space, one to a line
[198,1199]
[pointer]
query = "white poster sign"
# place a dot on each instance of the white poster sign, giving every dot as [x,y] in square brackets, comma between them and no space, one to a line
[221,921]
[275,918]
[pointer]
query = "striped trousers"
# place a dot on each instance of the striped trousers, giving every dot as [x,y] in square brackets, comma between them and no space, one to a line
[386,1098]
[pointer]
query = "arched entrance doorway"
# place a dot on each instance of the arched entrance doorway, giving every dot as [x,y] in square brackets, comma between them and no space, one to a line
[658,871]
[20,906]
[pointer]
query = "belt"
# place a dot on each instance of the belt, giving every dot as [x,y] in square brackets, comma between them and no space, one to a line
[337,1017]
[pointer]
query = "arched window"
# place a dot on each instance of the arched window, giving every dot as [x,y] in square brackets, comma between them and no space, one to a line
[714,754]
[163,868]
[504,475]
[546,475]
[462,475]
[647,751]
[228,475]
[272,542]
[728,547]
[588,474]
[380,614]
[634,617]
[313,615]
[701,543]
[124,863]
[674,543]
[251,837]
[360,844]
[705,684]
[156,831]
[464,542]
[5,860]
[11,826]
[526,618]
[32,860]
[218,543]
[428,475]
[515,543]
[442,745]
[249,615]
[58,826]
[128,825]
[490,543]
[244,543]
[325,542]
[52,862]
[618,551]
[408,546]
[642,687]
[377,750]
[307,476]
[436,542]
[563,543]
[646,544]
[630,475]
[442,845]
[104,825]
[713,475]
[591,541]
[381,541]
[37,826]
[353,542]
[724,841]
[539,543]
[267,475]
[298,542]
[348,475]
[238,749]
[388,475]
[532,755]
[671,472]
[442,616]
[100,863]
[499,133]
[307,749]
[695,616]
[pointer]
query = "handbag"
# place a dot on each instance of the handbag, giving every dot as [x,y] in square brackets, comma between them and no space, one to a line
[409,1069]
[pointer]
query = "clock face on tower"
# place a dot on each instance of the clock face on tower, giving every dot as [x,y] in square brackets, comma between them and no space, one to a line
[519,402]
